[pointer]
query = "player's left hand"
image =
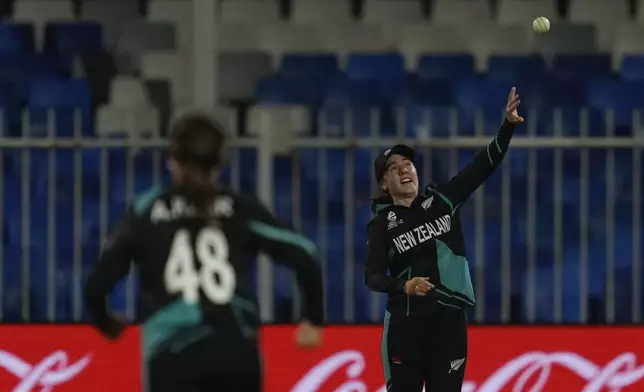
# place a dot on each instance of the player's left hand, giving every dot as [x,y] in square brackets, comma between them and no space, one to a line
[511,112]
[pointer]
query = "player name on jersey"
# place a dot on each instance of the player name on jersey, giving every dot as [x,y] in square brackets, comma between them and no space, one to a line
[179,208]
[422,233]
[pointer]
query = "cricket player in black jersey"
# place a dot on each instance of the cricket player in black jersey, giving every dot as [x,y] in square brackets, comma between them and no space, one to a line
[193,244]
[416,254]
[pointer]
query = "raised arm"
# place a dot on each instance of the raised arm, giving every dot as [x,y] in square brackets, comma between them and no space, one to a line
[459,188]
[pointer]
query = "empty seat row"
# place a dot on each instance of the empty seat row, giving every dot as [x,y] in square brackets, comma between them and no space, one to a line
[339,11]
[134,39]
[63,107]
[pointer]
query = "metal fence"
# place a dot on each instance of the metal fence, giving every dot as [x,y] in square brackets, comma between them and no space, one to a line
[522,267]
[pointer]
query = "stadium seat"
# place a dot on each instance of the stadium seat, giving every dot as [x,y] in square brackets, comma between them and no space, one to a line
[71,104]
[376,66]
[249,12]
[281,90]
[290,38]
[312,66]
[632,68]
[436,92]
[238,36]
[318,12]
[40,12]
[446,39]
[441,66]
[177,12]
[392,15]
[627,42]
[277,120]
[136,38]
[174,67]
[518,69]
[512,12]
[605,16]
[16,39]
[239,73]
[581,67]
[396,12]
[112,15]
[461,12]
[354,37]
[66,40]
[620,97]
[492,40]
[567,38]
[118,116]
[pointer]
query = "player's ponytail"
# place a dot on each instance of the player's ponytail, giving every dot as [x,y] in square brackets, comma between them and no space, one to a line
[199,190]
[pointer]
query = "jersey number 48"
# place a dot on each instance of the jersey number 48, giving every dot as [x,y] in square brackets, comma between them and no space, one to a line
[216,277]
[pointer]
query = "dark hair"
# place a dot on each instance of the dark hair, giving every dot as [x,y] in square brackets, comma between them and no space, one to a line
[198,145]
[383,198]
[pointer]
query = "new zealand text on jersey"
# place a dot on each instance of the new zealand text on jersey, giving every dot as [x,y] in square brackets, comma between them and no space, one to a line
[422,233]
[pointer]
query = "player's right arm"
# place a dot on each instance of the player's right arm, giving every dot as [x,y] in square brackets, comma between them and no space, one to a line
[296,252]
[377,264]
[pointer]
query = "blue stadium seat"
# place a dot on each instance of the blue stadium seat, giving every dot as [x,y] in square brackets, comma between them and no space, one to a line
[19,69]
[476,94]
[67,39]
[387,71]
[516,69]
[431,121]
[433,66]
[16,39]
[572,120]
[619,96]
[288,90]
[342,92]
[632,68]
[314,66]
[66,97]
[357,119]
[432,92]
[376,66]
[553,92]
[10,104]
[581,67]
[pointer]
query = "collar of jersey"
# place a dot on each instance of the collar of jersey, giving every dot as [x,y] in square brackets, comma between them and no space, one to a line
[385,203]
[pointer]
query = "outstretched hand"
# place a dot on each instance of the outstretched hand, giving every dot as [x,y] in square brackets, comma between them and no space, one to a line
[511,112]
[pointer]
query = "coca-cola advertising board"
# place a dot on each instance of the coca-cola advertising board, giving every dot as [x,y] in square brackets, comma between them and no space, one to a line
[514,359]
[67,358]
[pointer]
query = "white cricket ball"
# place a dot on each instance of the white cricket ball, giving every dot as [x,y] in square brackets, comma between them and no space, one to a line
[541,24]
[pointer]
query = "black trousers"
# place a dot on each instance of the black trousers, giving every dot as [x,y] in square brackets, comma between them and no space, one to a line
[430,352]
[208,365]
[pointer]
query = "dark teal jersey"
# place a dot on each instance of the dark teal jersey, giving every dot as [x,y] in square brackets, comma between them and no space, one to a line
[426,240]
[194,273]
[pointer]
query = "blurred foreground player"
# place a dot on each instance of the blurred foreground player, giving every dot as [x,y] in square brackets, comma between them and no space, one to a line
[193,244]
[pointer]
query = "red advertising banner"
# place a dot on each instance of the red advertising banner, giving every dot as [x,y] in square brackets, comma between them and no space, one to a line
[512,359]
[67,359]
